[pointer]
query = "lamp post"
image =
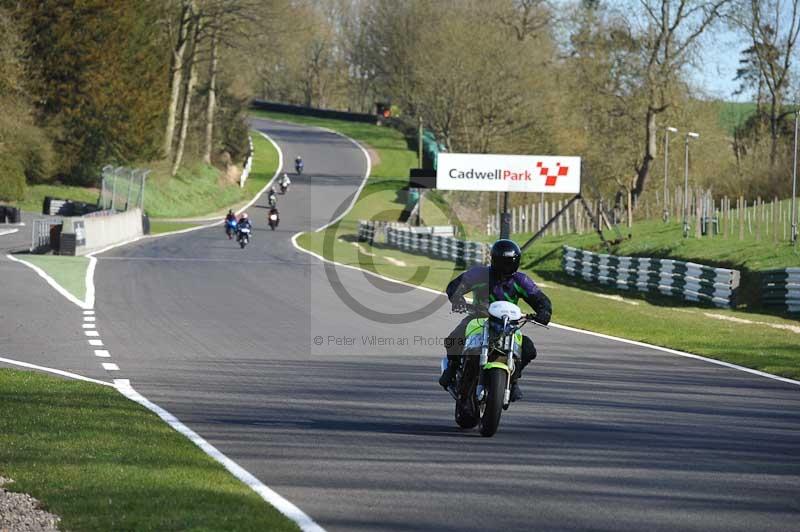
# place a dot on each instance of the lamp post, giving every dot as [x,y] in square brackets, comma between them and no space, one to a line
[794,181]
[666,168]
[689,135]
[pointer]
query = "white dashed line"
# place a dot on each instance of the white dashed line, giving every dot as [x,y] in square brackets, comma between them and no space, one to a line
[89,318]
[96,343]
[89,326]
[88,312]
[101,353]
[91,333]
[108,366]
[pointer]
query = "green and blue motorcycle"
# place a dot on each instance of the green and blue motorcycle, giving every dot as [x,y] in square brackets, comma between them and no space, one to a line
[492,348]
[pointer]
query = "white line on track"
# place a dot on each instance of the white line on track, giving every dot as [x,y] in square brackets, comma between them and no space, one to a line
[555,325]
[102,353]
[88,312]
[109,366]
[88,325]
[91,333]
[284,506]
[54,371]
[5,232]
[96,343]
[123,385]
[89,318]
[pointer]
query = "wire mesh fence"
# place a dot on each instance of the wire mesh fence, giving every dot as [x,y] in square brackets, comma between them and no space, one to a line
[122,188]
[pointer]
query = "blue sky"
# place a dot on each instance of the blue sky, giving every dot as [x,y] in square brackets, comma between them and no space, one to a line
[719,54]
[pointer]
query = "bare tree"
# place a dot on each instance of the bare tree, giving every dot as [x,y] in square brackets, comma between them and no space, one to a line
[180,42]
[195,31]
[772,27]
[526,17]
[671,30]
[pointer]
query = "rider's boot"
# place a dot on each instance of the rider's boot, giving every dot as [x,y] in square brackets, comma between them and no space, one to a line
[449,374]
[516,391]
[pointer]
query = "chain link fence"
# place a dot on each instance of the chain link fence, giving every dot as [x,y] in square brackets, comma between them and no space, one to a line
[122,188]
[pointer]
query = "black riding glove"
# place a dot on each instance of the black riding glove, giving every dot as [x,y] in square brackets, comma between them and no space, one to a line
[543,318]
[459,306]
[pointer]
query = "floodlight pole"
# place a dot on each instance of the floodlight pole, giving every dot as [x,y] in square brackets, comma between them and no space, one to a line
[686,184]
[667,131]
[794,181]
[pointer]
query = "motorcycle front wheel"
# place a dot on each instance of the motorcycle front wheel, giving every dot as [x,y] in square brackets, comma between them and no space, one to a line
[466,417]
[495,381]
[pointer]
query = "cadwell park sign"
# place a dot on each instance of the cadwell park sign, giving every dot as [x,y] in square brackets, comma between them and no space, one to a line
[508,173]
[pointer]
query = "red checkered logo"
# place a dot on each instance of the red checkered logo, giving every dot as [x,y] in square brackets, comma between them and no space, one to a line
[550,178]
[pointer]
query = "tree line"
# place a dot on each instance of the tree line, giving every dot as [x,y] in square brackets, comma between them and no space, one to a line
[84,83]
[595,78]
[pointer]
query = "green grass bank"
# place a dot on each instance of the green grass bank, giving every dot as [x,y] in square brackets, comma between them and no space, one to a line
[102,462]
[752,339]
[197,190]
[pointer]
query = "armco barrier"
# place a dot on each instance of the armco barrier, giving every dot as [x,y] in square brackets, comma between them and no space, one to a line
[781,289]
[435,241]
[690,281]
[310,111]
[83,235]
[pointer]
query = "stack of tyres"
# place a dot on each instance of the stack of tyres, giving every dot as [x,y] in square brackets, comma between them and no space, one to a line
[11,215]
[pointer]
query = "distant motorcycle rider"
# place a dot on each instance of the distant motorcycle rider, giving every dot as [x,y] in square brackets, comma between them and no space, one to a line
[285,182]
[244,223]
[272,199]
[230,223]
[499,282]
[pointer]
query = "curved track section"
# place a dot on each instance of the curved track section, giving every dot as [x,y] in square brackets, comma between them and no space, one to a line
[360,437]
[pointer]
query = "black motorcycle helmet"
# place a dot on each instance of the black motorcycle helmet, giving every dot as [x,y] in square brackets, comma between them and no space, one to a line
[505,257]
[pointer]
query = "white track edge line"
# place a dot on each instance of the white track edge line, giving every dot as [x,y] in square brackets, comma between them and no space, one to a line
[556,325]
[363,182]
[5,232]
[55,371]
[52,282]
[123,385]
[281,504]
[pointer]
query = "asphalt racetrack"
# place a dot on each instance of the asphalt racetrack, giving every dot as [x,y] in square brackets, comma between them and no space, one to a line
[267,354]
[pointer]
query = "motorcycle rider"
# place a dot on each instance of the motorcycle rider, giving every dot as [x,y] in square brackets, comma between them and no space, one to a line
[298,163]
[244,222]
[498,282]
[230,217]
[285,182]
[272,199]
[274,210]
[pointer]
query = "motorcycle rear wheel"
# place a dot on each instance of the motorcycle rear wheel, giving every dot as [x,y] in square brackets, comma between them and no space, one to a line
[495,381]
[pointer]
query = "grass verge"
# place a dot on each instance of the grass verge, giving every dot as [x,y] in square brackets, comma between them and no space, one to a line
[102,462]
[69,272]
[198,191]
[158,227]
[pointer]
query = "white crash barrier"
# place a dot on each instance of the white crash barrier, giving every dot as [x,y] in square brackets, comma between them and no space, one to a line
[82,235]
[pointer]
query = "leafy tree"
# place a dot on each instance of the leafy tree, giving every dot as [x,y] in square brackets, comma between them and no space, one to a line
[99,80]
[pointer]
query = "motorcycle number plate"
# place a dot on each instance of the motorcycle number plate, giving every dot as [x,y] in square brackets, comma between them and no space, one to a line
[476,340]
